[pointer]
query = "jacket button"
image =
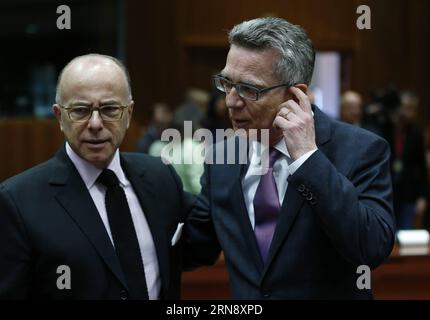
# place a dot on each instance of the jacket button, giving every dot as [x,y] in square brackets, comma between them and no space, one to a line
[301,188]
[266,293]
[313,202]
[309,197]
[123,295]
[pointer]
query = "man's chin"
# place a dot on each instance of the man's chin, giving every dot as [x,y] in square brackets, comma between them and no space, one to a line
[98,159]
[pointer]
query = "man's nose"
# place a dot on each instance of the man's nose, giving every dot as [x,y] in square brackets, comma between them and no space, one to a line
[96,121]
[233,100]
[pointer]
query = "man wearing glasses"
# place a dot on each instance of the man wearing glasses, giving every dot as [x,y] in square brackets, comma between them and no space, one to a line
[92,223]
[323,207]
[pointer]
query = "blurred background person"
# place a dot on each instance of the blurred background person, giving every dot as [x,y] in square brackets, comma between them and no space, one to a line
[353,111]
[193,108]
[408,163]
[426,218]
[351,105]
[378,114]
[161,119]
[217,114]
[186,154]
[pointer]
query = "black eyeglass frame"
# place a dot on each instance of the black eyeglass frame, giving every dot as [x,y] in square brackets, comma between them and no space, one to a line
[238,87]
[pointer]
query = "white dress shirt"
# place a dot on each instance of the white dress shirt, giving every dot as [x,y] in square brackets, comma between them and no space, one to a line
[282,168]
[89,175]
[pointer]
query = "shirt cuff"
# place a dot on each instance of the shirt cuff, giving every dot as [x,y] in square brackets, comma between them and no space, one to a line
[296,164]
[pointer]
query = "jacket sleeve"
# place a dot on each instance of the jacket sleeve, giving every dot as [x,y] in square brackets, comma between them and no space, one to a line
[355,211]
[15,266]
[201,244]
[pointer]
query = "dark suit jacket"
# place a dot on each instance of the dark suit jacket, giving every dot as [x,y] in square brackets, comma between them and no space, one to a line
[336,215]
[48,219]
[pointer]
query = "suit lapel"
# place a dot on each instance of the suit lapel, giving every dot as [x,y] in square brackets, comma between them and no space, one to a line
[74,197]
[145,192]
[240,210]
[293,200]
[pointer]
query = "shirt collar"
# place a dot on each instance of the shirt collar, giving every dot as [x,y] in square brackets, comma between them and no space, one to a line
[89,173]
[281,146]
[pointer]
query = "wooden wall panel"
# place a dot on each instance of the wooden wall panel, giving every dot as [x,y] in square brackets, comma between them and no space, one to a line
[175,44]
[215,17]
[151,54]
[181,43]
[419,53]
[201,30]
[380,51]
[25,143]
[394,52]
[206,283]
[172,45]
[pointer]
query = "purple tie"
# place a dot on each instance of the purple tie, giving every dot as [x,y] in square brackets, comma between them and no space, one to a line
[266,207]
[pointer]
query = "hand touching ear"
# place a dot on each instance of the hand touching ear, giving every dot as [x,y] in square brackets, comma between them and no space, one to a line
[295,119]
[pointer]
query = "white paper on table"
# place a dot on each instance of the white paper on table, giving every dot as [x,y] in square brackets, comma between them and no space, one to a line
[413,237]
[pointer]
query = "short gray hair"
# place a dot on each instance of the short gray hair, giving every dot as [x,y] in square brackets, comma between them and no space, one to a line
[113,59]
[296,53]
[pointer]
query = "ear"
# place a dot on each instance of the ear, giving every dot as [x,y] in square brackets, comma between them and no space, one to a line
[130,112]
[56,109]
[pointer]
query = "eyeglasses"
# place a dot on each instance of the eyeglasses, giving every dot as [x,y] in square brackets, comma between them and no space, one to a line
[108,113]
[245,91]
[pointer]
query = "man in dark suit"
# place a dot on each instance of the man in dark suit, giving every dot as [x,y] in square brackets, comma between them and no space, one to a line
[92,223]
[322,205]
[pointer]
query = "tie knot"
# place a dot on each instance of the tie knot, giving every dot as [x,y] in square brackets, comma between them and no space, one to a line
[108,178]
[273,156]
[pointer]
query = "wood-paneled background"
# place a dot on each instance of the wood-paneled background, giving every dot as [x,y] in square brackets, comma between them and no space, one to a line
[171,45]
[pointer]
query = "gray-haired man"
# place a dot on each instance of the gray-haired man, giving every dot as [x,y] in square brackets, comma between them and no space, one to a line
[323,208]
